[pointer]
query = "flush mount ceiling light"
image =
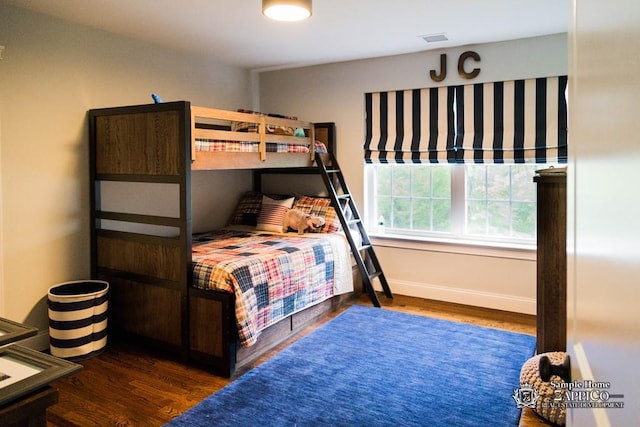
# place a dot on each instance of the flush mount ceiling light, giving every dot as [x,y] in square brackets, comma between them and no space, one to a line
[287,10]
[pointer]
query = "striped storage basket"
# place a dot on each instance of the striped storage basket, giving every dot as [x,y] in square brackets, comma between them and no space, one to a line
[78,318]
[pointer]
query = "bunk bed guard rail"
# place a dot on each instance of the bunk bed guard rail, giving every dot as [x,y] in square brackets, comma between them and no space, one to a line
[206,124]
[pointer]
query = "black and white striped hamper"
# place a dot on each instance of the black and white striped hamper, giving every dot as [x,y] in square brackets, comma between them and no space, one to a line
[78,318]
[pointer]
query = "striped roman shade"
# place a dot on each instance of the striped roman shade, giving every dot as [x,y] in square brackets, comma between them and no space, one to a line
[501,122]
[521,121]
[410,126]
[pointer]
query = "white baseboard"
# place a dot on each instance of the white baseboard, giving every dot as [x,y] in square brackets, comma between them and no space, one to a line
[464,296]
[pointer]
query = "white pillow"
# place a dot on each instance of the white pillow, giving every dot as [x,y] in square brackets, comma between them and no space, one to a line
[272,212]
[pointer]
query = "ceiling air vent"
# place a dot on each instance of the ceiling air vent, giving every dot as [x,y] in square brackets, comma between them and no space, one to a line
[433,38]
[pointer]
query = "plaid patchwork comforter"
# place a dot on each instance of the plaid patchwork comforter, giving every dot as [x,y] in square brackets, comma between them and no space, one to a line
[271,275]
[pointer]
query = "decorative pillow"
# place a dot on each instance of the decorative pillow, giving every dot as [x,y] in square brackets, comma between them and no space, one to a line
[247,209]
[320,206]
[332,222]
[272,214]
[312,201]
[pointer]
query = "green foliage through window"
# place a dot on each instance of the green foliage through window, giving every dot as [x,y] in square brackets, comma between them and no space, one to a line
[414,197]
[499,200]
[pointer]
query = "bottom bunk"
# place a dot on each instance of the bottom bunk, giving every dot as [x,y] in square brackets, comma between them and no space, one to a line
[219,347]
[255,288]
[205,329]
[236,292]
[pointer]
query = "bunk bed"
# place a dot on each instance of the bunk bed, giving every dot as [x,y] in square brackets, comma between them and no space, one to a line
[148,257]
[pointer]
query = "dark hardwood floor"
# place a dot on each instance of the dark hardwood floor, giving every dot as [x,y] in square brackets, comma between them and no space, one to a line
[128,386]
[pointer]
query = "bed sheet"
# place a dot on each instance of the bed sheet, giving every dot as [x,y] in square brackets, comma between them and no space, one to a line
[253,147]
[271,275]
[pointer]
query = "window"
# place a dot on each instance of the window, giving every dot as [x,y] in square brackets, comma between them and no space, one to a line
[500,201]
[489,202]
[458,162]
[413,198]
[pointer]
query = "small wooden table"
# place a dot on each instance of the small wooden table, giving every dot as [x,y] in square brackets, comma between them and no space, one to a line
[30,410]
[25,402]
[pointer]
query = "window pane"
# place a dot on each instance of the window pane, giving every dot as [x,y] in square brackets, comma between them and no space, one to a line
[401,182]
[524,220]
[498,218]
[401,215]
[498,182]
[422,214]
[524,189]
[421,181]
[442,215]
[476,217]
[383,207]
[476,178]
[441,180]
[383,180]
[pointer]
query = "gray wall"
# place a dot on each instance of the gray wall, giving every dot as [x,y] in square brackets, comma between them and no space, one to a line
[51,73]
[501,279]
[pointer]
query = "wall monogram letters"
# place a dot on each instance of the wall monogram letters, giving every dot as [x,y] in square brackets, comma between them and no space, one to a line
[461,70]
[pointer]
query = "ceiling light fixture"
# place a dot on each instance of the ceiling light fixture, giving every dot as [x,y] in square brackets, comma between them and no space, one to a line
[287,10]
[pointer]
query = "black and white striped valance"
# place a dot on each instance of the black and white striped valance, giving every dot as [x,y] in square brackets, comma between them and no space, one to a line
[410,126]
[501,122]
[512,122]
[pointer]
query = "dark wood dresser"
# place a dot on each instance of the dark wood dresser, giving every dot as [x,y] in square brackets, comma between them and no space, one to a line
[552,260]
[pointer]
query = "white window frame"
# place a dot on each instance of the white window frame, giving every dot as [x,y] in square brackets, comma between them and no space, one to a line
[454,242]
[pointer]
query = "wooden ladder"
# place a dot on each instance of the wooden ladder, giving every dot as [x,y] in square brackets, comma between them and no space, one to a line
[368,265]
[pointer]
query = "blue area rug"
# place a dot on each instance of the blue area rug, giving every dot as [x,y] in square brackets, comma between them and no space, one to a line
[376,367]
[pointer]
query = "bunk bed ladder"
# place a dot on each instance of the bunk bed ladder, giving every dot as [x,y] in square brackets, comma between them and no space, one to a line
[368,264]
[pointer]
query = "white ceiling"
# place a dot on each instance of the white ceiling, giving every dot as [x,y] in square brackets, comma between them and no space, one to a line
[235,32]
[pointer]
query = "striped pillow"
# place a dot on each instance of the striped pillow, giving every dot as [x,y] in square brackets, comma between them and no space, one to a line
[272,214]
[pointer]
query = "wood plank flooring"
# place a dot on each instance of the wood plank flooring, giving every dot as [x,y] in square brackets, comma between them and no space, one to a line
[127,386]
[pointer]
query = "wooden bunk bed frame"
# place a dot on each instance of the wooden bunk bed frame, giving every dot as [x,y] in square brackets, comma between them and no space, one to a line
[150,276]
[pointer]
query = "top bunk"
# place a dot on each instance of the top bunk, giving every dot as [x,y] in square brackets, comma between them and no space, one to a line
[249,140]
[164,138]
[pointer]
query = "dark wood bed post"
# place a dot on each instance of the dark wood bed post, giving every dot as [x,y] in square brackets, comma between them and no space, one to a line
[186,228]
[94,195]
[149,275]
